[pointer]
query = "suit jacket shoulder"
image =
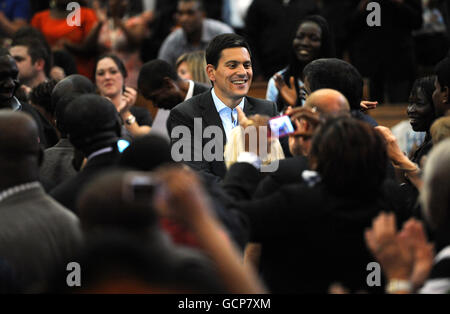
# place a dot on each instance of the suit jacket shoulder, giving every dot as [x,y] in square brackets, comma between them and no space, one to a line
[262,106]
[200,88]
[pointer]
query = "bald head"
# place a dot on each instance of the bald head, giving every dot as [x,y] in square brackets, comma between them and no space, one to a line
[19,135]
[19,149]
[328,102]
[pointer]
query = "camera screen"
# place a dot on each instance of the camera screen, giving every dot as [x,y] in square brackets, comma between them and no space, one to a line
[281,126]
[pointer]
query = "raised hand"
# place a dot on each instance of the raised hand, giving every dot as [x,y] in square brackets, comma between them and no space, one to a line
[288,93]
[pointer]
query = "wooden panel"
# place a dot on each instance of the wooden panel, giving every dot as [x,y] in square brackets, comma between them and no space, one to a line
[389,115]
[258,90]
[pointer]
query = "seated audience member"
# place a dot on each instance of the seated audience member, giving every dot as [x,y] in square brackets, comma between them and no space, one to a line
[195,32]
[338,75]
[37,234]
[110,75]
[326,215]
[312,41]
[58,160]
[406,257]
[121,203]
[32,59]
[421,113]
[93,127]
[192,66]
[229,67]
[52,23]
[8,85]
[62,62]
[159,82]
[440,129]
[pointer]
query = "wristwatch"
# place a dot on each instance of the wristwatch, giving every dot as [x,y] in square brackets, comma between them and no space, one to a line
[130,120]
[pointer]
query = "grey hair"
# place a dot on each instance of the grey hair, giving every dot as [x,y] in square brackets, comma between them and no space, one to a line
[435,194]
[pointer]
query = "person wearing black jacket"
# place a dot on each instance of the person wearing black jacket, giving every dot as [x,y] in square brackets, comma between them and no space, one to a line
[312,234]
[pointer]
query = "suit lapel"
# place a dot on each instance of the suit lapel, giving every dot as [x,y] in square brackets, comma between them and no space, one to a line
[209,112]
[249,108]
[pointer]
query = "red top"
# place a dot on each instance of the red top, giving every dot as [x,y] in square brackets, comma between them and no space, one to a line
[58,30]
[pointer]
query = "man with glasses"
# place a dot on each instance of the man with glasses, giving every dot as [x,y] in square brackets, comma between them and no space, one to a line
[195,33]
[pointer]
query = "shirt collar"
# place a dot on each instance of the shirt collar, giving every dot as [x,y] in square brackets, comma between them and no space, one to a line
[190,92]
[18,189]
[219,103]
[100,152]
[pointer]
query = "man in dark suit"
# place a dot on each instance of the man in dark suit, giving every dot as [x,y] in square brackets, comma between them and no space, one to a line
[93,127]
[229,68]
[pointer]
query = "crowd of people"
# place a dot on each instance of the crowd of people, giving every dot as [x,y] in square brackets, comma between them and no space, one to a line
[199,192]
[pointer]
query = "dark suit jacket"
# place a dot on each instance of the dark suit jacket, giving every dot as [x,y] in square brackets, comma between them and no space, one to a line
[202,106]
[57,165]
[67,193]
[289,171]
[38,236]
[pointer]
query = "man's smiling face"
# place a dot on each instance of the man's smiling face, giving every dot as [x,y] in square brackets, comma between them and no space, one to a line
[233,76]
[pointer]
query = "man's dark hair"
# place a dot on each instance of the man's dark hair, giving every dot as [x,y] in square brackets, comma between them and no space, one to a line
[41,95]
[200,4]
[152,74]
[92,122]
[350,157]
[336,74]
[34,33]
[36,50]
[221,42]
[442,71]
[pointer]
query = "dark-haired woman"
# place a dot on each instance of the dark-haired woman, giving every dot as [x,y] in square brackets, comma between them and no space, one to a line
[312,41]
[421,113]
[110,74]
